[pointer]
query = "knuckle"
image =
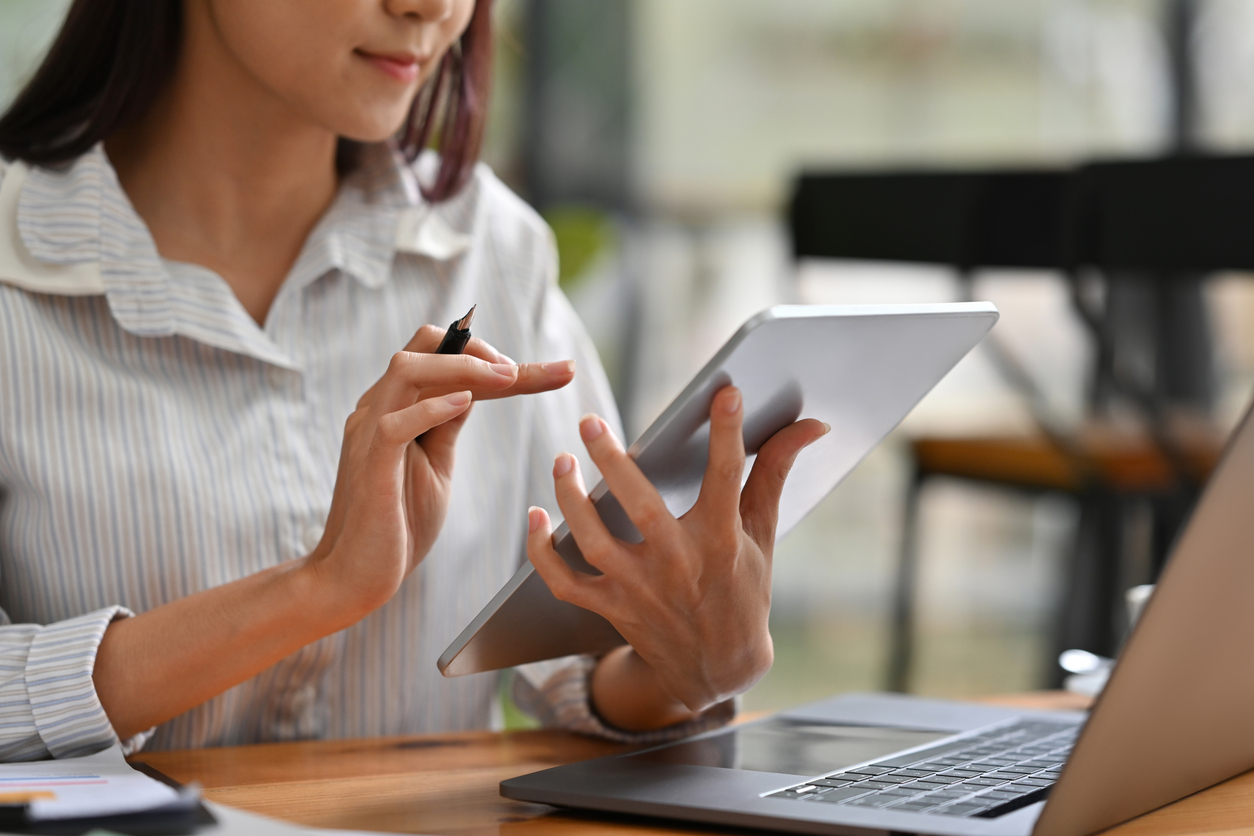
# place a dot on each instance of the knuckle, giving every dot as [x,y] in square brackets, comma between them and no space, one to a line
[730,471]
[563,588]
[650,516]
[725,541]
[388,428]
[399,362]
[599,552]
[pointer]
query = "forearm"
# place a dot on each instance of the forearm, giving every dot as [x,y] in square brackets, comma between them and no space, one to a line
[626,694]
[161,663]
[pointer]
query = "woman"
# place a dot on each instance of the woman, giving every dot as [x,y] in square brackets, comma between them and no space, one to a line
[211,245]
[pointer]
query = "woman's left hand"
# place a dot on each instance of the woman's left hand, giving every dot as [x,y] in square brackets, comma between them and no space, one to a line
[692,598]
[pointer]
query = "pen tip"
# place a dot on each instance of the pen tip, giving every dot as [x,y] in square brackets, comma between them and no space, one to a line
[464,322]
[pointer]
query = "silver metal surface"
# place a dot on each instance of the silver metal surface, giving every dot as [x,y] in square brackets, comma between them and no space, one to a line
[716,795]
[860,368]
[1176,715]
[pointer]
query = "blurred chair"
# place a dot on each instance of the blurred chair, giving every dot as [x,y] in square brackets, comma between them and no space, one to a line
[1143,222]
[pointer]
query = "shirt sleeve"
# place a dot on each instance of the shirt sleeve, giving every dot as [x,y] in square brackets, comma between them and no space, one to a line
[48,702]
[557,692]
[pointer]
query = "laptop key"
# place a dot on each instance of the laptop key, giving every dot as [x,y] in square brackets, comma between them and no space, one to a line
[943,779]
[912,773]
[1036,782]
[831,782]
[922,786]
[1015,804]
[960,810]
[894,779]
[839,794]
[983,782]
[870,770]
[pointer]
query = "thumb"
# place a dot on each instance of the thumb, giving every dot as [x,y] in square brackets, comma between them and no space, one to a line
[759,501]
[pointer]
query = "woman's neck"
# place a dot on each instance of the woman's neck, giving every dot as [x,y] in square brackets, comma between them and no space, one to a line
[225,175]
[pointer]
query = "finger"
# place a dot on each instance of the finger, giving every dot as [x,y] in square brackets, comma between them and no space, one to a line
[641,501]
[411,373]
[532,378]
[564,582]
[439,444]
[403,426]
[428,338]
[486,351]
[720,488]
[759,502]
[598,546]
[536,377]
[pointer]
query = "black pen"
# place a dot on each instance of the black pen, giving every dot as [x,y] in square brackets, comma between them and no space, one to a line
[456,337]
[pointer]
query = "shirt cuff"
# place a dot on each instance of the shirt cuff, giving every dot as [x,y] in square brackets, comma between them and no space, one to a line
[68,715]
[564,700]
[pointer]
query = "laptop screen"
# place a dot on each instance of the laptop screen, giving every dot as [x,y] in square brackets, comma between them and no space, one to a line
[792,747]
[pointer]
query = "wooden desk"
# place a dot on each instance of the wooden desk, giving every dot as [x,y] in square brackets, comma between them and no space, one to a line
[447,784]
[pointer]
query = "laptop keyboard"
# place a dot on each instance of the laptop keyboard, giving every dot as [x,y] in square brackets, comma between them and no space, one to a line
[982,776]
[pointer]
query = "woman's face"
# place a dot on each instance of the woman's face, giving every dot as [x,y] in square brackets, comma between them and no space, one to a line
[351,66]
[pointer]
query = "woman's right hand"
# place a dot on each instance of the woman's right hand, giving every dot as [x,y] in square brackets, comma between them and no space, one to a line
[396,464]
[390,499]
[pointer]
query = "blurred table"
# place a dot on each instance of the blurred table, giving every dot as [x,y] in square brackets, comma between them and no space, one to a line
[447,784]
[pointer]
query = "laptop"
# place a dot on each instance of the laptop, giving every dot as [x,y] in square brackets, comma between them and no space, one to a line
[1176,716]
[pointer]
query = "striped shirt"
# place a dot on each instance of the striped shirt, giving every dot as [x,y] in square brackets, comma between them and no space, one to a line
[156,441]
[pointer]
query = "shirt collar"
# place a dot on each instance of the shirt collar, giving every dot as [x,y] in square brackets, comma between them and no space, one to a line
[82,236]
[378,213]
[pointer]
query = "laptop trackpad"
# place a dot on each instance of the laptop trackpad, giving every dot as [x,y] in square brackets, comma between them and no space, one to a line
[792,747]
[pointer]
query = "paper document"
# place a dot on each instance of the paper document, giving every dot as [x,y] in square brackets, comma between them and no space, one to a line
[102,784]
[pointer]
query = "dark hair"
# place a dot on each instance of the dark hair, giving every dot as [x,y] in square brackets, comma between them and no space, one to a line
[112,58]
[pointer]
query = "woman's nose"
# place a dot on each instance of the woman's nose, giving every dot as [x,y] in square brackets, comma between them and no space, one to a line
[431,11]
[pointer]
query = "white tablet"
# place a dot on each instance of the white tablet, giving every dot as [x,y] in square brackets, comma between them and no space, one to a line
[859,368]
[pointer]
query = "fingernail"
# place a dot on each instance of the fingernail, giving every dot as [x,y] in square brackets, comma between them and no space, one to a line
[504,369]
[533,519]
[457,398]
[827,428]
[590,427]
[731,402]
[559,367]
[562,464]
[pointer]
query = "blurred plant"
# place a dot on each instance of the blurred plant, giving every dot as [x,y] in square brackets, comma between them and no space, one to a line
[583,233]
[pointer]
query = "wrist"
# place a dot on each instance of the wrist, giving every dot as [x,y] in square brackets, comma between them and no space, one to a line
[626,693]
[338,603]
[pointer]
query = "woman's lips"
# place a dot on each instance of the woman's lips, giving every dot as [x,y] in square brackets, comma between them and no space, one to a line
[401,67]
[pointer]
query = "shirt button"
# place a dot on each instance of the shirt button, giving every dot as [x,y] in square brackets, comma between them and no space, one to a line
[312,537]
